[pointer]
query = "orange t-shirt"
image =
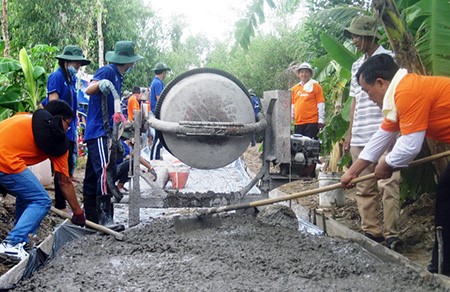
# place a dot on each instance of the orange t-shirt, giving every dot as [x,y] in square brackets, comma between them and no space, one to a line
[133,105]
[423,104]
[19,149]
[305,104]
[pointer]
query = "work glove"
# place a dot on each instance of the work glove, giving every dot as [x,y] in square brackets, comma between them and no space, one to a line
[79,219]
[104,85]
[118,117]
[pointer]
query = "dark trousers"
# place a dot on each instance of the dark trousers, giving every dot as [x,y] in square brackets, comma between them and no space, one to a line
[60,199]
[94,183]
[442,219]
[308,130]
[155,153]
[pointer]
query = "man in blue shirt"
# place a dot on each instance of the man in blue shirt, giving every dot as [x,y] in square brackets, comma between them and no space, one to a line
[121,61]
[156,88]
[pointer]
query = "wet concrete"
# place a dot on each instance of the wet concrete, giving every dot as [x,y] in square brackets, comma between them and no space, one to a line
[234,252]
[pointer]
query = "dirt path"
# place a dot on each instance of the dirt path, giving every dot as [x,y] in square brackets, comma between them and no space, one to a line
[238,254]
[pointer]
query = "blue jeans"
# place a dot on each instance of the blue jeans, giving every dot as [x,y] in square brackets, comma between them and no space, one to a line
[32,204]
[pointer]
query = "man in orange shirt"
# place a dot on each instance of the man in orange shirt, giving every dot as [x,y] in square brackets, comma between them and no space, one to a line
[308,103]
[25,140]
[416,107]
[134,103]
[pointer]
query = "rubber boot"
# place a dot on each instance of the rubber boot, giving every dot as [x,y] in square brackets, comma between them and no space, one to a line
[90,209]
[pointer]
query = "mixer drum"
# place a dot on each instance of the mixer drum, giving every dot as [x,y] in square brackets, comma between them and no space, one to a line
[203,97]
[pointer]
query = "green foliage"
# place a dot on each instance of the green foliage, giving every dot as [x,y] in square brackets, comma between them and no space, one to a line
[245,27]
[23,84]
[432,34]
[34,85]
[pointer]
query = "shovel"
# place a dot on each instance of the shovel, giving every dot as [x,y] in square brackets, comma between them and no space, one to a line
[264,202]
[101,228]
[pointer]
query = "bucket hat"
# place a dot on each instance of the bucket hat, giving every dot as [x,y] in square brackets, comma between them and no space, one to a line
[160,66]
[73,53]
[123,53]
[305,66]
[49,133]
[363,26]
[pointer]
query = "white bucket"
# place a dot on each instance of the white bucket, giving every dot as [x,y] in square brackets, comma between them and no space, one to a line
[43,171]
[334,197]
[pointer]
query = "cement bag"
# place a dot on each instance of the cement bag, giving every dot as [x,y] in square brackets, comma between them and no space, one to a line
[43,171]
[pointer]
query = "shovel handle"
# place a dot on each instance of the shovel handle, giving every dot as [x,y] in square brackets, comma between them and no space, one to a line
[98,227]
[312,192]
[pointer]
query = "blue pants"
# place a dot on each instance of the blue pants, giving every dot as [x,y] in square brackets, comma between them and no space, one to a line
[32,204]
[94,183]
[155,153]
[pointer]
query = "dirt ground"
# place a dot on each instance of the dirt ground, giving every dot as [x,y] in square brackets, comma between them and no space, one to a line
[222,268]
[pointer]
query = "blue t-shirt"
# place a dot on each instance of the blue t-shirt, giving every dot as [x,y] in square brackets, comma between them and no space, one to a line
[57,83]
[94,120]
[156,87]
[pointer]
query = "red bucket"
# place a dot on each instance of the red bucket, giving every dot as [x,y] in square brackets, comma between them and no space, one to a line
[178,179]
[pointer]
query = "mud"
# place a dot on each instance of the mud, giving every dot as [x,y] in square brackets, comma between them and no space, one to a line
[233,253]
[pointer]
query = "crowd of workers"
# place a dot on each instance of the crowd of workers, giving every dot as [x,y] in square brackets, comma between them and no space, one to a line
[392,112]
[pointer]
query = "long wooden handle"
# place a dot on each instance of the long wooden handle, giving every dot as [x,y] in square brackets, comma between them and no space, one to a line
[311,192]
[98,227]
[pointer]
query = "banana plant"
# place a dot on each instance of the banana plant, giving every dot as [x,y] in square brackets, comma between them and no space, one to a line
[35,78]
[23,85]
[336,78]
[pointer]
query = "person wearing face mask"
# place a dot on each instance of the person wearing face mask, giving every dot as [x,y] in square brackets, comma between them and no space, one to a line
[121,60]
[61,85]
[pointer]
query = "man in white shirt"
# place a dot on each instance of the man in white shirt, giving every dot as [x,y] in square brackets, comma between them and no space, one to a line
[365,119]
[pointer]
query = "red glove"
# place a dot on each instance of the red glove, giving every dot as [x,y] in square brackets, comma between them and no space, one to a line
[118,117]
[79,219]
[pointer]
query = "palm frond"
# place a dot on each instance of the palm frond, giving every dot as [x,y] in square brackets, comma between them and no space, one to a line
[433,34]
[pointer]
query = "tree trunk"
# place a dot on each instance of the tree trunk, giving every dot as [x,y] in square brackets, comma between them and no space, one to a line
[101,44]
[402,42]
[5,34]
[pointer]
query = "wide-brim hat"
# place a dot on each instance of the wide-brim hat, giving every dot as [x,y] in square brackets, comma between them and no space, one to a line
[160,66]
[362,26]
[305,66]
[73,53]
[123,53]
[49,133]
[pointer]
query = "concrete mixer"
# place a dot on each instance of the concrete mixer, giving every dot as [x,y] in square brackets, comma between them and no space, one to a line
[204,117]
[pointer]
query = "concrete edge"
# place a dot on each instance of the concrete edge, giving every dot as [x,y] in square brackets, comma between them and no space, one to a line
[14,275]
[335,229]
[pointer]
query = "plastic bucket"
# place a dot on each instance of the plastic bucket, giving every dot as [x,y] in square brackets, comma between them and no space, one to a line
[334,197]
[178,179]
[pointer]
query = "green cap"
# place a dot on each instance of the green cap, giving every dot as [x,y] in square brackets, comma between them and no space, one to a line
[160,66]
[123,53]
[362,26]
[73,53]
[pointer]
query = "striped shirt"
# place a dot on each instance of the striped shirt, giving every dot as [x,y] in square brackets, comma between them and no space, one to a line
[367,117]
